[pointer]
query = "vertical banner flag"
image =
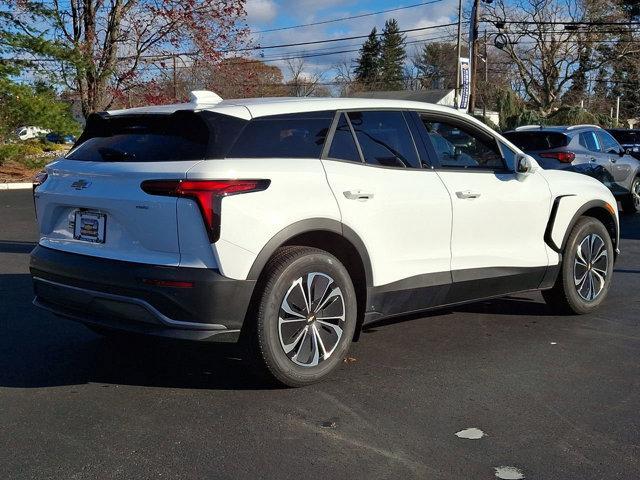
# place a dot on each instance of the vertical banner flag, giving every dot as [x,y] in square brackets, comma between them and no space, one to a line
[465,80]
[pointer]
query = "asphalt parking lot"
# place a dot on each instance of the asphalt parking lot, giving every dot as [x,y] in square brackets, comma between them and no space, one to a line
[556,397]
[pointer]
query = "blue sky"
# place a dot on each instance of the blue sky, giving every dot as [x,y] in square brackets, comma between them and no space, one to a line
[267,14]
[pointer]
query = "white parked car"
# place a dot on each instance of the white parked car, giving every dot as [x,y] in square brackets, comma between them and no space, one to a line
[27,133]
[287,224]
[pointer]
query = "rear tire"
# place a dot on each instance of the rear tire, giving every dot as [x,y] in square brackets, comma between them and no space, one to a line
[631,203]
[585,273]
[306,316]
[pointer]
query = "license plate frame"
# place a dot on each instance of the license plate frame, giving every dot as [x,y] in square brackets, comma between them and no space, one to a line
[90,226]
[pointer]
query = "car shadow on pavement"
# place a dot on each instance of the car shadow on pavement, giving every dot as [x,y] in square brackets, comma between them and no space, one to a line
[38,349]
[15,246]
[630,226]
[513,305]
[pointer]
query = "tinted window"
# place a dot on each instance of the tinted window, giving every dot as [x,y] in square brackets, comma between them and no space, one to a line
[183,135]
[629,137]
[609,144]
[384,139]
[531,141]
[589,141]
[343,146]
[284,136]
[458,147]
[508,155]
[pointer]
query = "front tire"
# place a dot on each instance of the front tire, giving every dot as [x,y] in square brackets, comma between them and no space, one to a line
[631,203]
[585,273]
[306,316]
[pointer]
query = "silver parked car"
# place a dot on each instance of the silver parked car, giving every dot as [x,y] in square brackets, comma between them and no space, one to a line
[586,149]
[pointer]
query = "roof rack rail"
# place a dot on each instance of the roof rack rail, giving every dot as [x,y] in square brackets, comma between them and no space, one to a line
[528,127]
[573,127]
[204,97]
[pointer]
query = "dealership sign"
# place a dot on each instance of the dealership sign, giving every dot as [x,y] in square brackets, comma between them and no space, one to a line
[465,80]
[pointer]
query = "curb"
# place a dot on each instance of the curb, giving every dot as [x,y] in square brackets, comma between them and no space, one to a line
[15,186]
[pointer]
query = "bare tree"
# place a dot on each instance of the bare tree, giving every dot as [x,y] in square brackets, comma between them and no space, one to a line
[547,57]
[344,78]
[100,49]
[303,84]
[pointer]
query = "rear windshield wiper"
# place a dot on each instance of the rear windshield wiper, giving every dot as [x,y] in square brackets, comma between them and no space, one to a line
[115,155]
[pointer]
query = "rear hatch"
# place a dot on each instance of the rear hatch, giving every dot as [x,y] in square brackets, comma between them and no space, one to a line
[91,202]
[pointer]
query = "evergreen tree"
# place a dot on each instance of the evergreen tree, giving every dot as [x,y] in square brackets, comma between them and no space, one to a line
[367,69]
[436,63]
[392,57]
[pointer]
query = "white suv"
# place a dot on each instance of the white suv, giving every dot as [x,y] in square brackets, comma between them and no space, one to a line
[287,224]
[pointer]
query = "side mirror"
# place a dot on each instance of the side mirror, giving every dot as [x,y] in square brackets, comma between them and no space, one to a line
[622,152]
[523,165]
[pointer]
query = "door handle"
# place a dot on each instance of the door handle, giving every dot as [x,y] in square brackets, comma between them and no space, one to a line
[357,195]
[593,159]
[613,160]
[467,194]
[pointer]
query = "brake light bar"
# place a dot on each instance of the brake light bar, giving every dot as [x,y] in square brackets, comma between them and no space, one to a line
[564,157]
[208,194]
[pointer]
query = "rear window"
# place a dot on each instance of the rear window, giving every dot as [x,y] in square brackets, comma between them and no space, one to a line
[629,137]
[531,141]
[182,135]
[298,135]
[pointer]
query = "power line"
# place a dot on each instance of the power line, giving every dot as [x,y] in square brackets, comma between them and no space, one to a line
[556,22]
[324,22]
[329,40]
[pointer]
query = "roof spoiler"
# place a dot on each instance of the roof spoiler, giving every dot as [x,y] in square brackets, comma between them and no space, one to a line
[198,97]
[528,127]
[573,127]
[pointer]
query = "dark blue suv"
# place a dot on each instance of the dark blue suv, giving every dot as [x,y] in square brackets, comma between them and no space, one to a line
[587,149]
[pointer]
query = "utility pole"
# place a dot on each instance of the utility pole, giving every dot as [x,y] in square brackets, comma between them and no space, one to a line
[459,51]
[617,110]
[486,74]
[473,53]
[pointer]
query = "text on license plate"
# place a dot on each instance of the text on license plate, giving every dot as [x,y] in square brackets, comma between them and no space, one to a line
[90,226]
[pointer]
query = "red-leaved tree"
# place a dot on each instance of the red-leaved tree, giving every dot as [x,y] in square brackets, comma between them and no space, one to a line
[103,49]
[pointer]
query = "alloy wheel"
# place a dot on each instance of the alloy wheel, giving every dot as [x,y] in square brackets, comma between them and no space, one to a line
[590,267]
[311,319]
[635,193]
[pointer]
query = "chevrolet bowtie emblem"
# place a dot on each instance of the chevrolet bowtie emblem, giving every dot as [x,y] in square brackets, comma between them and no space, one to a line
[80,184]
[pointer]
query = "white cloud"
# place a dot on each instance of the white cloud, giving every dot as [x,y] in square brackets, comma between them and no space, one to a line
[261,11]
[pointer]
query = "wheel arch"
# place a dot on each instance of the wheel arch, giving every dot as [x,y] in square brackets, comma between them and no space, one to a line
[335,238]
[598,209]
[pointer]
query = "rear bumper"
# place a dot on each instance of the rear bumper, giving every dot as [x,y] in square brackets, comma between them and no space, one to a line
[112,294]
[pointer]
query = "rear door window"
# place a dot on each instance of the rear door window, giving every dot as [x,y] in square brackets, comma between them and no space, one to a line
[385,139]
[298,135]
[590,141]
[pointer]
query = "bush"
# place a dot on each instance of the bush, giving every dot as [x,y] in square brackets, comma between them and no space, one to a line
[23,104]
[10,151]
[25,153]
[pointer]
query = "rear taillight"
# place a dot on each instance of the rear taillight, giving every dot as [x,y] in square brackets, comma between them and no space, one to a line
[38,179]
[564,157]
[208,195]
